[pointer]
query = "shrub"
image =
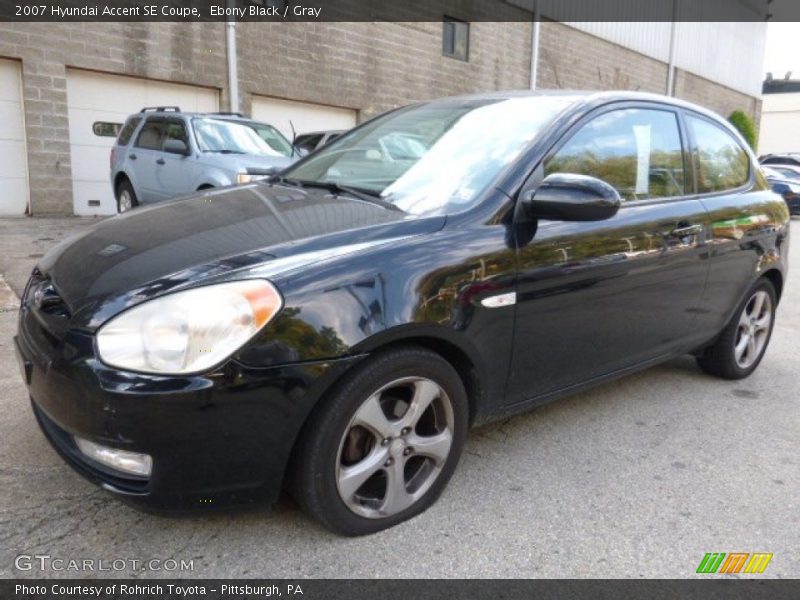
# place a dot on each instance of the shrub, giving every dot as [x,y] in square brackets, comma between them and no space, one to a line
[744,124]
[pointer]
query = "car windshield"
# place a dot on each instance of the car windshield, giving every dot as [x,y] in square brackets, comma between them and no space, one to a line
[238,137]
[433,158]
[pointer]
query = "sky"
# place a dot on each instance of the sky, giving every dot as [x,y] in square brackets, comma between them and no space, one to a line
[782,53]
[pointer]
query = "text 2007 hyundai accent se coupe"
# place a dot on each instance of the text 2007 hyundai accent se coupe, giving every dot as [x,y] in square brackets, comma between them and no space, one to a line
[336,329]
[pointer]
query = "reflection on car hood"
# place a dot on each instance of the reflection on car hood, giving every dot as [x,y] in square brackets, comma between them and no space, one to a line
[132,257]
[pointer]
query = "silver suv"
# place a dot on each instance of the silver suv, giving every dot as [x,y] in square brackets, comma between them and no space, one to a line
[162,153]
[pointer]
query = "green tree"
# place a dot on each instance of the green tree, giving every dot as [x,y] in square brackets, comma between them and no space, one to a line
[744,124]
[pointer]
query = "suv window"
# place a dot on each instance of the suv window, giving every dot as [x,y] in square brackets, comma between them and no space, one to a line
[308,141]
[722,163]
[175,130]
[127,130]
[150,136]
[636,150]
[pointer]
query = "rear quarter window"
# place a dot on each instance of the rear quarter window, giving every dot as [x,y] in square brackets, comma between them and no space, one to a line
[721,162]
[127,130]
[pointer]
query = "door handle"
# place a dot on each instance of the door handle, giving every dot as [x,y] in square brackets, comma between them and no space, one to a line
[132,156]
[685,230]
[160,161]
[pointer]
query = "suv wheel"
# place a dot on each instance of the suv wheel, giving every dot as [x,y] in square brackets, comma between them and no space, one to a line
[383,447]
[743,342]
[126,197]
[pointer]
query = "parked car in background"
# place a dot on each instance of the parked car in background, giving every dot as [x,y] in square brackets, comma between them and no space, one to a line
[789,158]
[336,329]
[790,172]
[162,153]
[308,142]
[788,186]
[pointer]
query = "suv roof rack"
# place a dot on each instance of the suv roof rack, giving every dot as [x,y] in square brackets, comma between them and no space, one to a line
[229,114]
[161,109]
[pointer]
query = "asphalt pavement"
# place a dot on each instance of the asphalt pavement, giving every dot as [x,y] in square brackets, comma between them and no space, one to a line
[637,478]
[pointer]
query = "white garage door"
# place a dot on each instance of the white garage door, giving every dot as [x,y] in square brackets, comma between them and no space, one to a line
[13,159]
[109,100]
[305,116]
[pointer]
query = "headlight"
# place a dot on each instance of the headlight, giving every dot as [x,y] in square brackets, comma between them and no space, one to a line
[794,188]
[188,331]
[248,178]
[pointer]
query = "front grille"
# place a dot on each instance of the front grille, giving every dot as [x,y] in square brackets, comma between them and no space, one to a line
[65,445]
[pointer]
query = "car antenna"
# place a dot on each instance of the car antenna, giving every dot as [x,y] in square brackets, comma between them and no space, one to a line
[294,137]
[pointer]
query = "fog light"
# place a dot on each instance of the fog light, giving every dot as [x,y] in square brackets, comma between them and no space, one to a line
[131,463]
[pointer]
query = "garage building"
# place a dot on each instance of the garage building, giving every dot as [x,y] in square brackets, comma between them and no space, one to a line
[65,87]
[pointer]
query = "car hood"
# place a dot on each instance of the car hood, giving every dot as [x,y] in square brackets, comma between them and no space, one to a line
[149,251]
[256,163]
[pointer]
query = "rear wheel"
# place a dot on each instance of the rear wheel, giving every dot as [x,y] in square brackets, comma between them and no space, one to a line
[126,197]
[742,344]
[383,446]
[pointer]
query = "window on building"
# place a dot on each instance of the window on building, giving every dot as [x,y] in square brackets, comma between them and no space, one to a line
[455,39]
[638,151]
[106,128]
[721,162]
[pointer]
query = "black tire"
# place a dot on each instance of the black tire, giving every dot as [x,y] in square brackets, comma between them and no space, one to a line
[720,358]
[321,448]
[124,188]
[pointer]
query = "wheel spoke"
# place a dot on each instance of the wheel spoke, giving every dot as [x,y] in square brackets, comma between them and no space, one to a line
[751,348]
[425,392]
[371,416]
[741,346]
[353,477]
[436,446]
[758,304]
[397,497]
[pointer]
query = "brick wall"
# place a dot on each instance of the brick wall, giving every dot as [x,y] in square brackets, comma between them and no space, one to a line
[373,67]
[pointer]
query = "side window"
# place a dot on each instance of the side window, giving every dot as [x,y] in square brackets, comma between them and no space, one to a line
[127,130]
[722,163]
[150,136]
[636,150]
[176,130]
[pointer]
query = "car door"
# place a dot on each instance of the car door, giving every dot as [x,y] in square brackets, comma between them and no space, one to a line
[175,173]
[743,220]
[143,156]
[596,298]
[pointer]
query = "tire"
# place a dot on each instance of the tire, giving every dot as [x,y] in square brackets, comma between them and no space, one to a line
[734,355]
[126,197]
[351,455]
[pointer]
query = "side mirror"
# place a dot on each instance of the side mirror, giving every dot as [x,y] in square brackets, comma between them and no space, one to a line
[572,197]
[174,146]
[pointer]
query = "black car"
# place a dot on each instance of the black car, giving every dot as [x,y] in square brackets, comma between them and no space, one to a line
[335,330]
[785,184]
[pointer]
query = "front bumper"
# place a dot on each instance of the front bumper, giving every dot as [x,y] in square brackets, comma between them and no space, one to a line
[216,439]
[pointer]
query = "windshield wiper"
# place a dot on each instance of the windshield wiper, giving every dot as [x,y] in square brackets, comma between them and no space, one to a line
[226,151]
[337,188]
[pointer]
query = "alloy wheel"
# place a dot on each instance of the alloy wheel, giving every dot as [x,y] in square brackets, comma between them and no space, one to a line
[394,447]
[125,201]
[753,330]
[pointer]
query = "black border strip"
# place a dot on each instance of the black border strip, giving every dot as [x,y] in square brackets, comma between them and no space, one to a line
[393,10]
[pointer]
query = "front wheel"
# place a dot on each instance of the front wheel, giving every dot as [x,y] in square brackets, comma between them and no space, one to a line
[383,446]
[742,344]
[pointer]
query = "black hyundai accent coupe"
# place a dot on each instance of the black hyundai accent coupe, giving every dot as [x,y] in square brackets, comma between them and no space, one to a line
[335,330]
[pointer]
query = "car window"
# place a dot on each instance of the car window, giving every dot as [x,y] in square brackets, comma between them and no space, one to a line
[150,136]
[273,138]
[722,163]
[638,151]
[127,130]
[176,130]
[308,142]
